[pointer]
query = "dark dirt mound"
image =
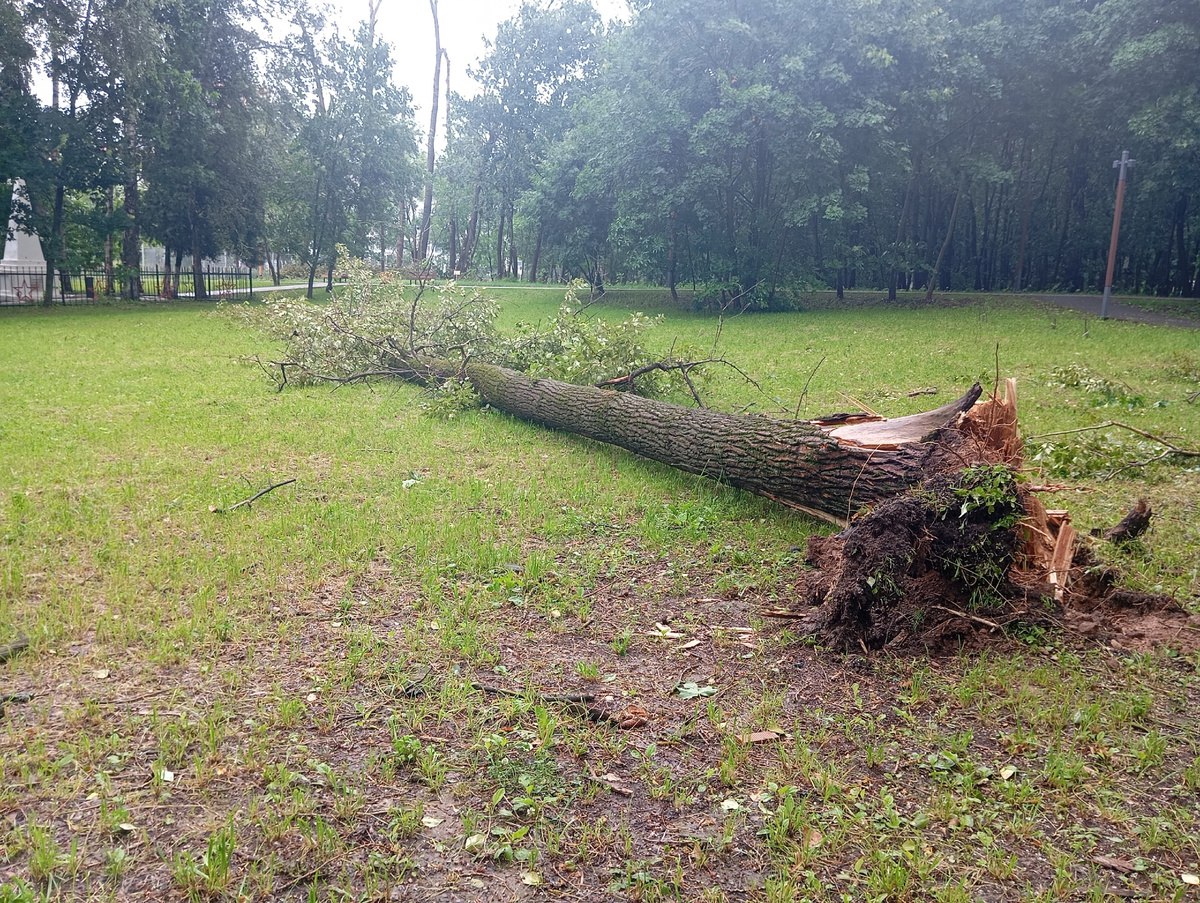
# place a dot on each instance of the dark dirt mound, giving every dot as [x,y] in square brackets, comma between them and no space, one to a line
[942,567]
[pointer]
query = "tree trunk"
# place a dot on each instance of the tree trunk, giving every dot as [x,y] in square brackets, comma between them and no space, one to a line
[937,266]
[537,254]
[109,206]
[427,207]
[199,287]
[272,266]
[513,264]
[673,255]
[166,289]
[500,245]
[131,241]
[1180,282]
[826,469]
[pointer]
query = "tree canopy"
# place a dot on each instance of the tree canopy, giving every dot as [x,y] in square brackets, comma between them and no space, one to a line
[745,149]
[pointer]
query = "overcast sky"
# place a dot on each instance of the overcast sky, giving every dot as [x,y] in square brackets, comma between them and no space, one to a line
[408,26]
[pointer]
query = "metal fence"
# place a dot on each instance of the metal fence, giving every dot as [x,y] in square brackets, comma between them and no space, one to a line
[26,286]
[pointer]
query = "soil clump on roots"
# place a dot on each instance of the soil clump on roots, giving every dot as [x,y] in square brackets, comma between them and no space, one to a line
[954,564]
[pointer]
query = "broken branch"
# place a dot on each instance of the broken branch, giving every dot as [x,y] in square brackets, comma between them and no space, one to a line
[255,497]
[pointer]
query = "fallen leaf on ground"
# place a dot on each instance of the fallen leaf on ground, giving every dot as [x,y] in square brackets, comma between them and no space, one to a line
[1119,865]
[633,716]
[663,632]
[692,690]
[759,737]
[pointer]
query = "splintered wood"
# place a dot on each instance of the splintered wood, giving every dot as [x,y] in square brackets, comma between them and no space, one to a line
[1047,550]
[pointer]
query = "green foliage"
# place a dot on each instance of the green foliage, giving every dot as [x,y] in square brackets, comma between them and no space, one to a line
[988,488]
[1100,391]
[374,317]
[375,323]
[577,348]
[211,872]
[450,398]
[1089,455]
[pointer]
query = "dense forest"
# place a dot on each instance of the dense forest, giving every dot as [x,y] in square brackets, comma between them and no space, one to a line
[744,149]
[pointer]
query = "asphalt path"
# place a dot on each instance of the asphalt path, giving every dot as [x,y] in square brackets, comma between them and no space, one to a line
[1091,304]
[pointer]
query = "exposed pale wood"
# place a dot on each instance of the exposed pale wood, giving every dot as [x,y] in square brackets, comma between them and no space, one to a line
[1060,561]
[901,430]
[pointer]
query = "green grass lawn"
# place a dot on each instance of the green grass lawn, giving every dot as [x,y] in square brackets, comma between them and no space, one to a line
[298,699]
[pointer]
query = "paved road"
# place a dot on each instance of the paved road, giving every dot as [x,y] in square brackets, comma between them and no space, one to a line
[1090,304]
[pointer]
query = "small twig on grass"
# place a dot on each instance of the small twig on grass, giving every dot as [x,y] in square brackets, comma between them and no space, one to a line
[804,391]
[311,873]
[1166,443]
[130,699]
[962,614]
[544,697]
[10,650]
[255,497]
[861,406]
[577,701]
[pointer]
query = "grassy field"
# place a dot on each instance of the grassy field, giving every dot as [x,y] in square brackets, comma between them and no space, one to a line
[360,686]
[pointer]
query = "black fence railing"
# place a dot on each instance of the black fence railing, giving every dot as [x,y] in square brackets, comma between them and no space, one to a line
[27,286]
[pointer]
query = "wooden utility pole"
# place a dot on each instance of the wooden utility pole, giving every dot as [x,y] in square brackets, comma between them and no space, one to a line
[1123,164]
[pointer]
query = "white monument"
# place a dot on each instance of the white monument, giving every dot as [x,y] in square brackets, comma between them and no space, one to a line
[23,269]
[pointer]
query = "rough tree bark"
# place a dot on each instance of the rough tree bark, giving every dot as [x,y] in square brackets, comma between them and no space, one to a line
[829,469]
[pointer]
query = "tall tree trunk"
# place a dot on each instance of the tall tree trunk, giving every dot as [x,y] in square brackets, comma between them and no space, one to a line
[1180,282]
[937,266]
[901,225]
[452,263]
[500,245]
[427,208]
[272,266]
[537,254]
[109,207]
[673,255]
[1024,178]
[199,286]
[512,246]
[467,253]
[164,288]
[131,241]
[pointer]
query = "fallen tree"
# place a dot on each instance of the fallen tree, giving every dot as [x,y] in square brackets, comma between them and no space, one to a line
[939,531]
